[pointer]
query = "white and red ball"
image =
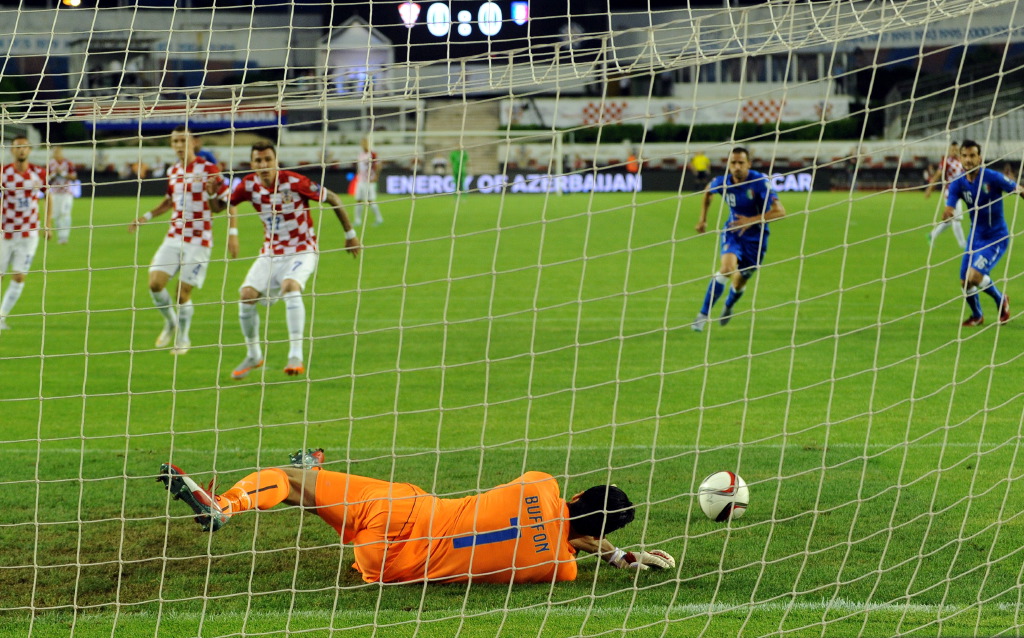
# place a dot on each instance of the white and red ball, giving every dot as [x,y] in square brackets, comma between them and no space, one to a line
[723,495]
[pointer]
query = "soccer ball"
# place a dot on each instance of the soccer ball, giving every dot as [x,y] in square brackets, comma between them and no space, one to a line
[723,495]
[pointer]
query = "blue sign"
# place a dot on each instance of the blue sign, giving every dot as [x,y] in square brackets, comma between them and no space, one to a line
[196,120]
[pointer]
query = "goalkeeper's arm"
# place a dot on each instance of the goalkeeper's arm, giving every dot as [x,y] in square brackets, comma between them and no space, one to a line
[654,559]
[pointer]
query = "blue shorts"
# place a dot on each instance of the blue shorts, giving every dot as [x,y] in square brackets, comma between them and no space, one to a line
[749,253]
[983,255]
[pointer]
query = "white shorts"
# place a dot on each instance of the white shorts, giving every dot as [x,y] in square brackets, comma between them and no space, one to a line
[366,191]
[16,254]
[176,255]
[268,273]
[62,203]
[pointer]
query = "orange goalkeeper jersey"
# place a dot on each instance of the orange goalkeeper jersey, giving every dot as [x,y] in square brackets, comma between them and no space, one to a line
[516,532]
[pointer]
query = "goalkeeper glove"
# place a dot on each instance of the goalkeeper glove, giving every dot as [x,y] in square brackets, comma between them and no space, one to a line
[655,559]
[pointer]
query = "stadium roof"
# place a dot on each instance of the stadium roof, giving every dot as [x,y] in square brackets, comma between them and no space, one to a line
[631,6]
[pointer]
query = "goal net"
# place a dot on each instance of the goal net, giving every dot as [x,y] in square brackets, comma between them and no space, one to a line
[535,292]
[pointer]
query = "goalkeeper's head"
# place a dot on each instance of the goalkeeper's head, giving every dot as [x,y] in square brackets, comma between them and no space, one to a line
[600,510]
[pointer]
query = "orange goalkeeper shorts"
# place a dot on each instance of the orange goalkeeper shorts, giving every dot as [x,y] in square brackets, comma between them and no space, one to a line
[374,516]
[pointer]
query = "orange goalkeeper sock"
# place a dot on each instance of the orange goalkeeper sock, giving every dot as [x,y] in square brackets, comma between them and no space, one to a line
[262,490]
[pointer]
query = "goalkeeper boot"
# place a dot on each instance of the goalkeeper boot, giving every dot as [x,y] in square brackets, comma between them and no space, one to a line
[698,323]
[245,367]
[182,487]
[1004,310]
[294,367]
[311,459]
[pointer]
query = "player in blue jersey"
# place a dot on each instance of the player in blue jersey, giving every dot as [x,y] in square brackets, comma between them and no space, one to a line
[982,190]
[752,204]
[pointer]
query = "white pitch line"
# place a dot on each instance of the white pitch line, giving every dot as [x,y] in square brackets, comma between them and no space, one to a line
[674,611]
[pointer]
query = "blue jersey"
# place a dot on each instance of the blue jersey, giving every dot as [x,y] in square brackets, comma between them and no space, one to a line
[984,199]
[747,199]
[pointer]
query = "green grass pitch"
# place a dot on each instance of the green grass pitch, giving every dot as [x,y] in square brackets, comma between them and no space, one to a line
[481,337]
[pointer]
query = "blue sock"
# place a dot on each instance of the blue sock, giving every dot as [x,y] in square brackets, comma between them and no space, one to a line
[715,290]
[974,302]
[989,288]
[733,297]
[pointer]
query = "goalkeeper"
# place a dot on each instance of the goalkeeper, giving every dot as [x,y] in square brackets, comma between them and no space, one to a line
[522,531]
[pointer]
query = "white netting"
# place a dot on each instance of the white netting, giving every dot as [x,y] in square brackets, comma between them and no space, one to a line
[523,302]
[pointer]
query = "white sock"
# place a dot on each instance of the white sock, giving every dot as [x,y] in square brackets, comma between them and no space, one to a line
[249,318]
[376,212]
[185,321]
[295,312]
[359,215]
[162,301]
[11,297]
[63,224]
[958,232]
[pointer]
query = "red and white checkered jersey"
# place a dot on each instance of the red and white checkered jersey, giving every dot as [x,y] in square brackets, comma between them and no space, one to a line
[21,191]
[366,166]
[951,168]
[284,209]
[186,186]
[60,176]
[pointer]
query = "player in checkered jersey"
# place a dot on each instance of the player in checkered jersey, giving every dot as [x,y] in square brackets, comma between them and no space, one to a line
[185,250]
[21,184]
[61,173]
[366,187]
[289,255]
[950,168]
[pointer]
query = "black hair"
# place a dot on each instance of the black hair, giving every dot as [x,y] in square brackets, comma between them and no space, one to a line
[971,144]
[600,510]
[20,137]
[740,149]
[182,129]
[954,143]
[263,146]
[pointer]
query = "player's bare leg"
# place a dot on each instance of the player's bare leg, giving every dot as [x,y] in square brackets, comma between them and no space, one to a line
[249,320]
[162,300]
[295,313]
[182,341]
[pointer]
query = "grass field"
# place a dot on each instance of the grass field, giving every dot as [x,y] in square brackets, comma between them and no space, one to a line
[479,338]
